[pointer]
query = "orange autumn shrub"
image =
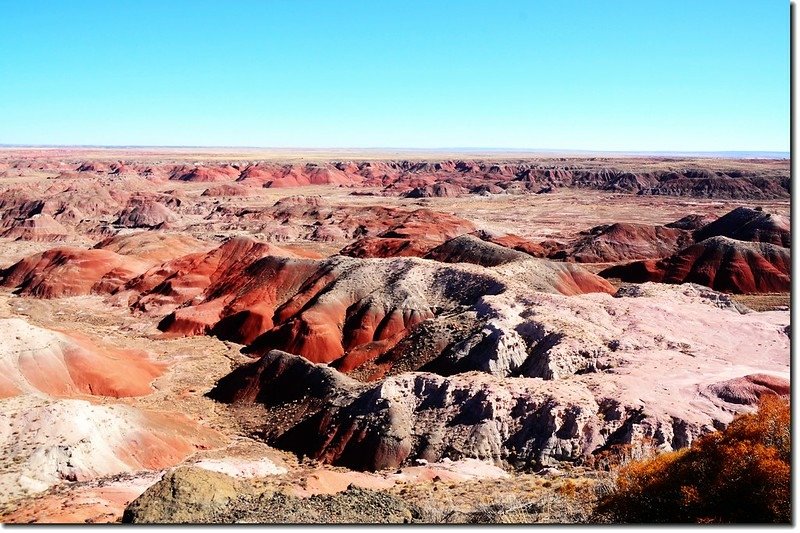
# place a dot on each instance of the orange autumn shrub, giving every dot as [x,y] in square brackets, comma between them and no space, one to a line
[740,475]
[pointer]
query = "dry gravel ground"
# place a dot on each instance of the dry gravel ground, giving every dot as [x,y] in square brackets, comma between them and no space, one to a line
[192,495]
[764,302]
[558,215]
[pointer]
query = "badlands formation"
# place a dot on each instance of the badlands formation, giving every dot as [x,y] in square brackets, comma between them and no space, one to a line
[195,336]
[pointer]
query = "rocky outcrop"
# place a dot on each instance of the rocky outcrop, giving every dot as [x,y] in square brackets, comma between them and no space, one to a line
[355,309]
[422,416]
[515,242]
[99,167]
[691,222]
[437,190]
[191,496]
[542,379]
[145,212]
[414,236]
[470,249]
[227,189]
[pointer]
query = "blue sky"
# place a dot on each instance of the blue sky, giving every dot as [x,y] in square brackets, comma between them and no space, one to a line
[599,75]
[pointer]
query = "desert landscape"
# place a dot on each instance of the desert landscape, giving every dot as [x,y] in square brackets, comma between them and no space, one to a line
[251,335]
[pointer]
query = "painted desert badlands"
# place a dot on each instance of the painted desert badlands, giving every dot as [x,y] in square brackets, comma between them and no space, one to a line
[242,336]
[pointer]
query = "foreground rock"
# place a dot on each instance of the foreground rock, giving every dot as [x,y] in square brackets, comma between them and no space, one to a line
[82,503]
[184,496]
[191,496]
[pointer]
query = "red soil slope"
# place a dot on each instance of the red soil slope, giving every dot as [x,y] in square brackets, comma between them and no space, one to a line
[721,263]
[69,364]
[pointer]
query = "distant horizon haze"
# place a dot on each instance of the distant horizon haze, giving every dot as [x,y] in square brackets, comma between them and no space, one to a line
[437,151]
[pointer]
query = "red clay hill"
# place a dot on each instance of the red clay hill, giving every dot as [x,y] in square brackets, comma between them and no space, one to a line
[744,251]
[745,224]
[339,308]
[721,263]
[349,308]
[69,271]
[612,243]
[69,365]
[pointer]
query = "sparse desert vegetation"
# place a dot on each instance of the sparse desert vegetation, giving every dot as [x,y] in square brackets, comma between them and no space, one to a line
[739,475]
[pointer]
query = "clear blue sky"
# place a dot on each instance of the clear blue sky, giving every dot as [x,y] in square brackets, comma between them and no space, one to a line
[600,75]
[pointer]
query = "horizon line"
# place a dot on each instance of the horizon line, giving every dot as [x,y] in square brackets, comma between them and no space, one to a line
[465,149]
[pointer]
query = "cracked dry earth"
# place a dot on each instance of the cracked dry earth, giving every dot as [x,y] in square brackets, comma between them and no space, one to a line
[452,358]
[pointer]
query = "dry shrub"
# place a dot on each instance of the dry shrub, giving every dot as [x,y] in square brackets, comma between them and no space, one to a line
[438,509]
[618,455]
[568,489]
[740,475]
[508,509]
[609,459]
